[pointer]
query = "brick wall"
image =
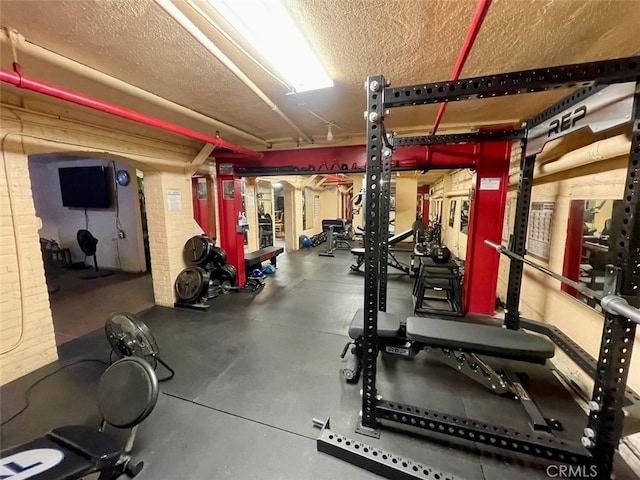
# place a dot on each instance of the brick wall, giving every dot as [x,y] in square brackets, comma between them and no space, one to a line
[168,230]
[26,329]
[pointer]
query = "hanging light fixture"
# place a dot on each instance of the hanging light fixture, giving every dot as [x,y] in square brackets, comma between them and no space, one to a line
[329,133]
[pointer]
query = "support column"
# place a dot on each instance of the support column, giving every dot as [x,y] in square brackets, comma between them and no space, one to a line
[519,239]
[489,190]
[170,223]
[230,202]
[374,114]
[606,418]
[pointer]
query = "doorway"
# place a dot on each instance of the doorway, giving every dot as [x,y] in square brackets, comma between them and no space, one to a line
[81,300]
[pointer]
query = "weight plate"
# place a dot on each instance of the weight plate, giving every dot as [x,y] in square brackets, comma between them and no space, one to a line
[225,273]
[197,249]
[218,256]
[191,284]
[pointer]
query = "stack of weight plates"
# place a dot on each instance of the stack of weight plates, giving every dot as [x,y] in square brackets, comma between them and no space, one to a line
[207,275]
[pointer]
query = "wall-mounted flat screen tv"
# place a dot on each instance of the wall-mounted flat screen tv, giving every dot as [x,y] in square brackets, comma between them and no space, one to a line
[84,187]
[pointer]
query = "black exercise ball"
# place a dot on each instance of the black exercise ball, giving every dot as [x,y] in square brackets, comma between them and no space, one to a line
[440,254]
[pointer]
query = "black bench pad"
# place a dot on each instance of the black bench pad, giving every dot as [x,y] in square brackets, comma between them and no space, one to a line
[480,339]
[263,254]
[388,324]
[357,251]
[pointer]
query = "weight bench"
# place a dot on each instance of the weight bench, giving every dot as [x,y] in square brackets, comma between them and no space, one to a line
[254,260]
[457,345]
[359,253]
[127,394]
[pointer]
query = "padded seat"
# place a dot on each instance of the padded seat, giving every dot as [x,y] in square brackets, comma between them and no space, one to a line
[357,251]
[480,339]
[388,324]
[98,447]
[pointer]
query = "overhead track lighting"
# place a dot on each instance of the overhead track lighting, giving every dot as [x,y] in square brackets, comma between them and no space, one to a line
[268,27]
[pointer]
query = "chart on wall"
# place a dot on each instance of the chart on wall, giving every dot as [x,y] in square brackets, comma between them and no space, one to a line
[539,235]
[505,221]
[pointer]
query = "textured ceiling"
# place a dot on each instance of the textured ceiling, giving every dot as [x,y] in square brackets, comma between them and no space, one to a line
[408,41]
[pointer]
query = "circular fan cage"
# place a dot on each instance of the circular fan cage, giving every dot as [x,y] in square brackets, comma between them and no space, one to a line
[87,242]
[129,336]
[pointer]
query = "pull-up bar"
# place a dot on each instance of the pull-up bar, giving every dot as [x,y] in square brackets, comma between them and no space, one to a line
[611,303]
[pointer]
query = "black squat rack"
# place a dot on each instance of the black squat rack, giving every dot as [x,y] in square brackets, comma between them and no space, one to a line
[620,78]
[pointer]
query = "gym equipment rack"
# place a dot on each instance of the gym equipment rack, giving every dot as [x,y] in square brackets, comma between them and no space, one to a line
[602,435]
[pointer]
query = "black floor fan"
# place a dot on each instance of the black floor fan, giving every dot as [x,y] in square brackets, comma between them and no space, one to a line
[88,245]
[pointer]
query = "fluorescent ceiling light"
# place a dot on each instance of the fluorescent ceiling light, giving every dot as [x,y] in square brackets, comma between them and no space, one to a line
[268,27]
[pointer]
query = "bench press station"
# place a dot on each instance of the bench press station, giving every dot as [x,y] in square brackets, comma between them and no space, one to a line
[458,345]
[393,261]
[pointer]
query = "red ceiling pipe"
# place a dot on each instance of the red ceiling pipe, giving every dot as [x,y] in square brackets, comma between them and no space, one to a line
[22,81]
[481,12]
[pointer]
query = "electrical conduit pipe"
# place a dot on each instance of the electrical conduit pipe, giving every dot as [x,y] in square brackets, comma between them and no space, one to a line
[476,23]
[22,81]
[95,75]
[613,147]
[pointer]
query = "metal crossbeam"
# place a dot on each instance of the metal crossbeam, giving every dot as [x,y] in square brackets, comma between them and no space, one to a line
[376,460]
[539,445]
[527,81]
[471,137]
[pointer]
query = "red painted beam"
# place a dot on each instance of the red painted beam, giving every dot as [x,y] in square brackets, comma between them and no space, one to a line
[353,158]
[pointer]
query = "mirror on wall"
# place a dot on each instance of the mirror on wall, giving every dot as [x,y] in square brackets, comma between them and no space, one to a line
[307,208]
[464,216]
[588,247]
[452,213]
[265,213]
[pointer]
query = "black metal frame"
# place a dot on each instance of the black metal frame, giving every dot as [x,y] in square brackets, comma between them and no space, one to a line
[605,421]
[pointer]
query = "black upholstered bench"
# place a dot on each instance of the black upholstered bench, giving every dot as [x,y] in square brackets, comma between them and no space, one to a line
[479,339]
[254,260]
[458,345]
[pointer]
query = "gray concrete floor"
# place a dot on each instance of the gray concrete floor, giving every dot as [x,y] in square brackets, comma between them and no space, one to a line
[252,373]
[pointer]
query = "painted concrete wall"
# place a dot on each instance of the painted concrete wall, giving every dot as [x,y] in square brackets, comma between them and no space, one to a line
[406,204]
[62,223]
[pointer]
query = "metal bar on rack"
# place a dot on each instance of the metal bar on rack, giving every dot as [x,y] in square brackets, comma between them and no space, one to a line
[538,80]
[471,137]
[611,303]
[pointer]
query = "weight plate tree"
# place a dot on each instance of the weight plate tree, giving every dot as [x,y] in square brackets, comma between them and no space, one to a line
[598,445]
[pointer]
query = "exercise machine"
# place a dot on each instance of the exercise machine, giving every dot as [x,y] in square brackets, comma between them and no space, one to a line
[597,446]
[337,233]
[358,252]
[127,394]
